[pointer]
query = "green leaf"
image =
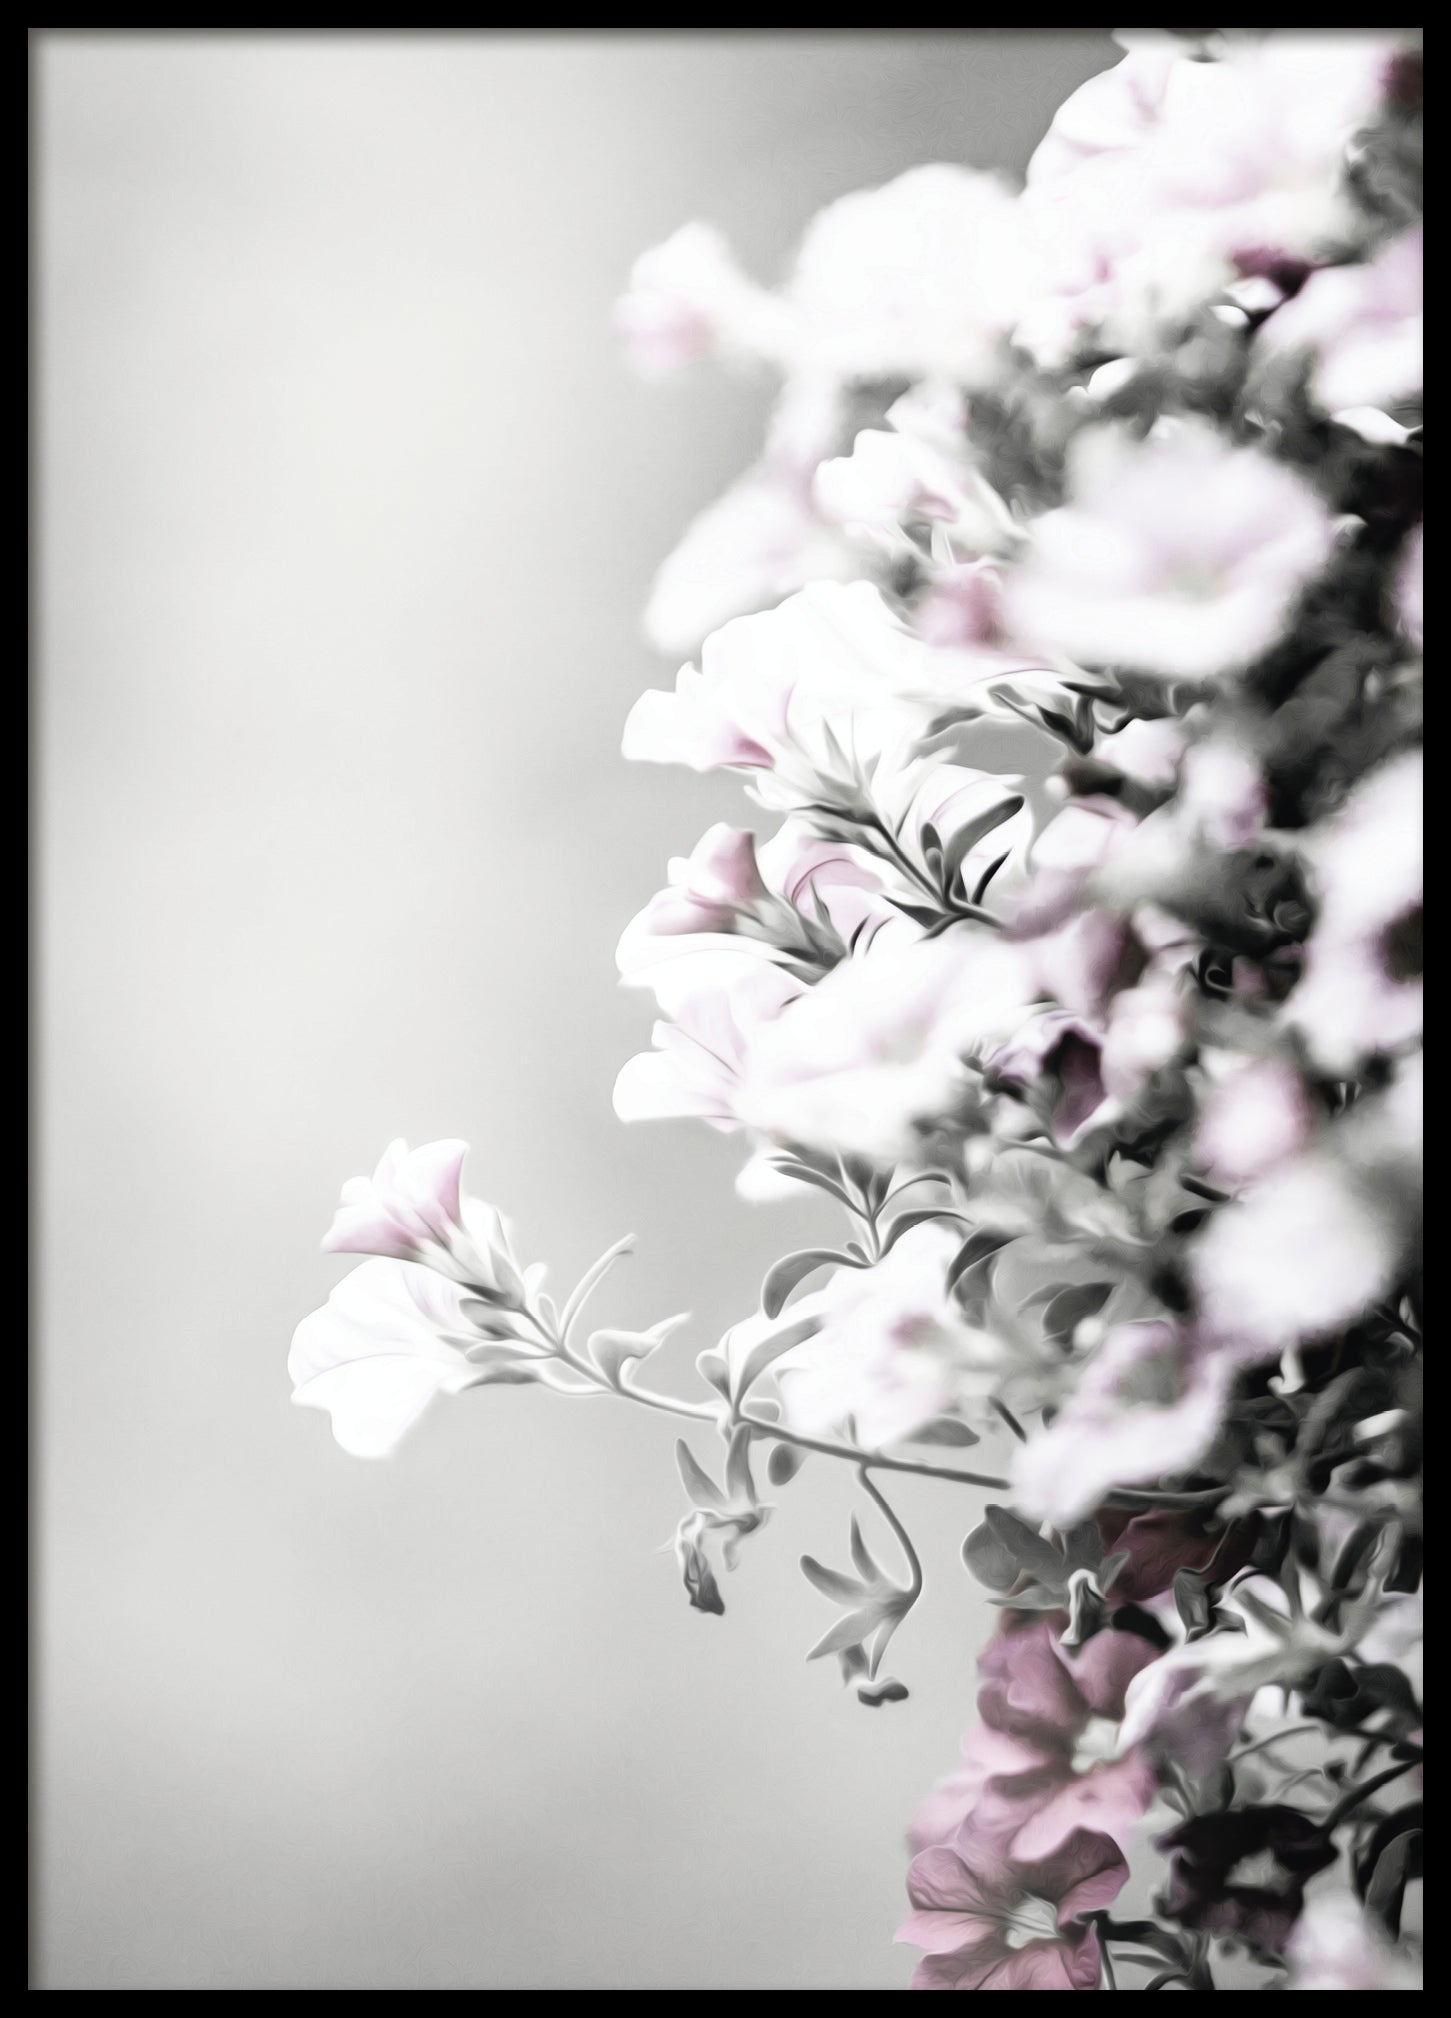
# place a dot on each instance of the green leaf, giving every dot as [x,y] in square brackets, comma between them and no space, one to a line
[971,832]
[768,1350]
[785,1460]
[862,1556]
[699,1485]
[711,1367]
[831,1583]
[740,1486]
[792,1270]
[1032,1554]
[921,1216]
[1065,1311]
[593,1275]
[994,1565]
[613,1351]
[945,1430]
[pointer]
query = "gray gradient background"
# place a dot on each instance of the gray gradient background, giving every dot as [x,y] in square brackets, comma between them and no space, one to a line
[348,509]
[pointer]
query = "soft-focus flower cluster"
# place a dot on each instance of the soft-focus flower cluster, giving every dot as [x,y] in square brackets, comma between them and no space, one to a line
[1112,1062]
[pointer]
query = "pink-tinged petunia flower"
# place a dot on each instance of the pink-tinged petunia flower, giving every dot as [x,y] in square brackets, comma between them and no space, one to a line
[963,608]
[1147,1028]
[1410,588]
[1362,326]
[1336,1946]
[797,899]
[1223,795]
[830,666]
[390,1337]
[717,1014]
[763,538]
[893,1348]
[1256,1115]
[1251,147]
[1296,1257]
[919,279]
[1061,1707]
[1166,179]
[880,1045]
[1361,988]
[1173,1717]
[411,1209]
[988,1921]
[1178,555]
[1146,1406]
[1054,1062]
[688,299]
[1113,112]
[893,480]
[987,1755]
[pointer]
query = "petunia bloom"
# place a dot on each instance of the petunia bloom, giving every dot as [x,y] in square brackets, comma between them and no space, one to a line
[390,1337]
[893,1348]
[1361,991]
[411,1209]
[1146,1406]
[1362,327]
[1180,556]
[883,1044]
[988,1921]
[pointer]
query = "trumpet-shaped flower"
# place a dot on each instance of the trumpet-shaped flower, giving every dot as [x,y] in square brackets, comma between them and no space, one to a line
[411,1209]
[1180,556]
[1145,1407]
[989,1921]
[893,1348]
[881,1045]
[390,1337]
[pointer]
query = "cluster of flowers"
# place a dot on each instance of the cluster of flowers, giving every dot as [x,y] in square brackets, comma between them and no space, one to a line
[1127,467]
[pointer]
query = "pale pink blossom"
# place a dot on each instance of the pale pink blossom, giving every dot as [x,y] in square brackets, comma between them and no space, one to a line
[893,480]
[1054,1062]
[1149,752]
[1164,180]
[1173,1717]
[1180,556]
[963,607]
[1111,113]
[987,1755]
[1336,1946]
[390,1337]
[757,543]
[1223,795]
[703,1045]
[1147,1029]
[893,1348]
[411,1209]
[989,1921]
[880,1044]
[687,300]
[1251,148]
[919,279]
[1253,1118]
[1146,1406]
[1295,1257]
[773,691]
[798,899]
[1361,989]
[1362,326]
[763,538]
